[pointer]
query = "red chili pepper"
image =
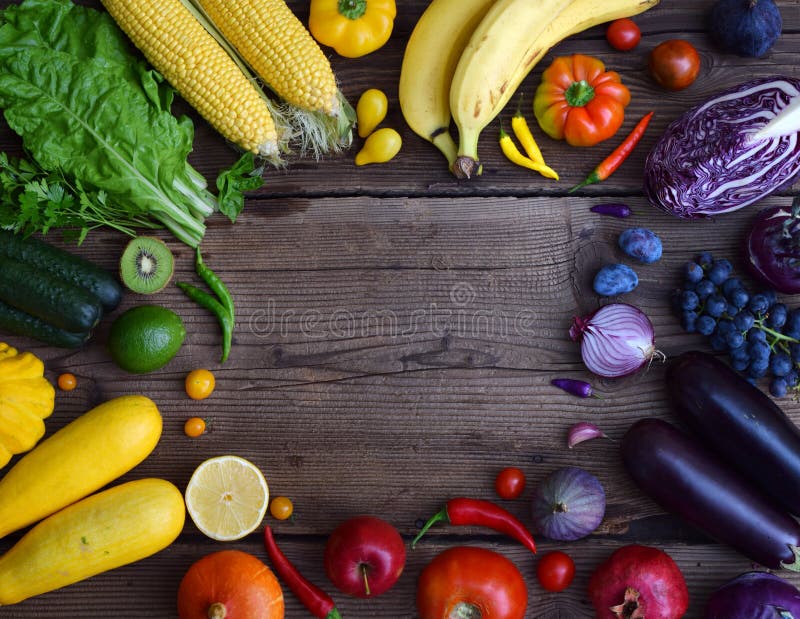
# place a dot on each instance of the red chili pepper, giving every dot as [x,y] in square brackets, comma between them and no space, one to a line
[318,603]
[481,513]
[610,164]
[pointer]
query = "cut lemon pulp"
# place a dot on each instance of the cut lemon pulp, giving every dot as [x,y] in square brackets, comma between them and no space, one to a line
[227,497]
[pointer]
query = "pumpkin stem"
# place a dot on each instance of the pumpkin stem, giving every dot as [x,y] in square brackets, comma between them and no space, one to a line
[364,568]
[560,508]
[217,611]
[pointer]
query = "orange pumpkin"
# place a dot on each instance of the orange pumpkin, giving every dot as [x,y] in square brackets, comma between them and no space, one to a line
[230,584]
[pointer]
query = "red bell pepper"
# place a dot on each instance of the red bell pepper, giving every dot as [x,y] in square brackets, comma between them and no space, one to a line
[579,101]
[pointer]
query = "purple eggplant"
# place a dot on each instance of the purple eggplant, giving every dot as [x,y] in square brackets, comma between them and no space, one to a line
[740,422]
[754,595]
[686,479]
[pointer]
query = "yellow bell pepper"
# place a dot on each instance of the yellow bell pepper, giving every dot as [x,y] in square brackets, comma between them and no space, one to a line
[353,28]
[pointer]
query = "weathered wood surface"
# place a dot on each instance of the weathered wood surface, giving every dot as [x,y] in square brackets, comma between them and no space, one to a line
[396,334]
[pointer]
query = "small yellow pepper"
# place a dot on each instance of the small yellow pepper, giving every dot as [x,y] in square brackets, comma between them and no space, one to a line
[371,110]
[380,147]
[523,132]
[513,154]
[353,28]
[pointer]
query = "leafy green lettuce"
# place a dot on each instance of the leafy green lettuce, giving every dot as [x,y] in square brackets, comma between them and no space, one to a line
[91,111]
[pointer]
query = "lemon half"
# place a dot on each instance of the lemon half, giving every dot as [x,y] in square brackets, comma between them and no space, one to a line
[227,497]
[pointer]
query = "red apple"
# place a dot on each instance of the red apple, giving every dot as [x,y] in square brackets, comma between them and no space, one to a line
[364,556]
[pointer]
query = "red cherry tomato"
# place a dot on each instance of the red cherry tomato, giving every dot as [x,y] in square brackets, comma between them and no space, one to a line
[674,64]
[555,571]
[623,34]
[509,483]
[467,581]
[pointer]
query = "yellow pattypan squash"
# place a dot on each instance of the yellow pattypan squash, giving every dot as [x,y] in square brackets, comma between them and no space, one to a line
[352,27]
[26,399]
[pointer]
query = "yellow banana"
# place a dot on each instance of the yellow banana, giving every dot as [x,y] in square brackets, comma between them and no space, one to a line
[431,55]
[494,62]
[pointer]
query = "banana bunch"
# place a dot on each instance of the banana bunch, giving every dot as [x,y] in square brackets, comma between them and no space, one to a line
[466,58]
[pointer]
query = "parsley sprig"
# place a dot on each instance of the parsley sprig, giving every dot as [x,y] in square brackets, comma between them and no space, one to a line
[36,200]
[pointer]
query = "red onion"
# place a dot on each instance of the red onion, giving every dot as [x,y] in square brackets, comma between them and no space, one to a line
[616,340]
[773,248]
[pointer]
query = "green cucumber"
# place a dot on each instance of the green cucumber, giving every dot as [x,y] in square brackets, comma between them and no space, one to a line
[69,267]
[18,322]
[48,297]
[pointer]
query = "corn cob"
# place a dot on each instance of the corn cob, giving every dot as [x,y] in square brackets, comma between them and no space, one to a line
[178,46]
[279,49]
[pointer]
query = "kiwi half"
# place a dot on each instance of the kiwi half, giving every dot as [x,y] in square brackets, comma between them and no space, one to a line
[146,265]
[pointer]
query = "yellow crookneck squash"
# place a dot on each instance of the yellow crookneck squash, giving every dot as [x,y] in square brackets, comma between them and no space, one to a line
[26,399]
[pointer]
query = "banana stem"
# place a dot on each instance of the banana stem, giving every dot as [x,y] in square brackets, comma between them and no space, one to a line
[445,143]
[467,164]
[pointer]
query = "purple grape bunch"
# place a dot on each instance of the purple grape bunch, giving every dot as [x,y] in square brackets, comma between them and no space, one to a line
[760,334]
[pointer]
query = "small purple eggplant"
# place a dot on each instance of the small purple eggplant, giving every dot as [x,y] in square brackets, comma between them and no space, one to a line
[754,595]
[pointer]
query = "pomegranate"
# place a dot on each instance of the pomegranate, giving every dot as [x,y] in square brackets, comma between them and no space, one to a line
[638,582]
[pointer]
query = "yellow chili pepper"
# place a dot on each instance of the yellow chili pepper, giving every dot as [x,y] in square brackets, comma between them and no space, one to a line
[520,127]
[353,28]
[513,154]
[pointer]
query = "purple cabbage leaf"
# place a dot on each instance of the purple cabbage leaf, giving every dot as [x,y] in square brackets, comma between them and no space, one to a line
[729,152]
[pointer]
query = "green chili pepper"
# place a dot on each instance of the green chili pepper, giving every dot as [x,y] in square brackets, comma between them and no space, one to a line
[205,300]
[215,283]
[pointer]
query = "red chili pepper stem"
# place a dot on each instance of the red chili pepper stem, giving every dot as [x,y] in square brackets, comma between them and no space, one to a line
[477,512]
[440,516]
[610,164]
[318,603]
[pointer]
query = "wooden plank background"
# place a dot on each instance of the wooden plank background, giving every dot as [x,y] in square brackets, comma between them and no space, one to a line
[397,330]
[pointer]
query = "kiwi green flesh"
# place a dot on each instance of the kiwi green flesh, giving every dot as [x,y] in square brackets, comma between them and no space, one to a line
[146,265]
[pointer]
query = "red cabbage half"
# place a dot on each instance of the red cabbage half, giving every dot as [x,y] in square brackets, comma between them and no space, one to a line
[729,152]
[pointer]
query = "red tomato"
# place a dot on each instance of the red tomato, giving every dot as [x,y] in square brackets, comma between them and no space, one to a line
[467,581]
[623,34]
[555,571]
[509,483]
[674,64]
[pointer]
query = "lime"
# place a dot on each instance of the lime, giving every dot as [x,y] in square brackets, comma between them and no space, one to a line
[145,338]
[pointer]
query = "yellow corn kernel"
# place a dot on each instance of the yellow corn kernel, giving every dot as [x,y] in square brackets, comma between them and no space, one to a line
[178,46]
[279,49]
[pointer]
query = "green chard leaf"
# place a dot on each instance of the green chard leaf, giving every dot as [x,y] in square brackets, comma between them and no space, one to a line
[233,182]
[90,112]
